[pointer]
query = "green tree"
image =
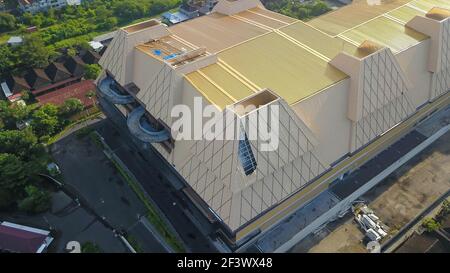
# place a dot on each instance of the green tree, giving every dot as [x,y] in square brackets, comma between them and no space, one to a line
[45,120]
[108,23]
[92,71]
[32,20]
[12,174]
[6,198]
[72,52]
[90,247]
[33,52]
[36,201]
[8,60]
[71,106]
[20,143]
[7,22]
[129,10]
[102,13]
[319,8]
[12,113]
[19,111]
[446,207]
[11,4]
[430,224]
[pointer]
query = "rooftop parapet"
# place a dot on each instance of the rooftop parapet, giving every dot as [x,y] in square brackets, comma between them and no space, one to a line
[361,78]
[182,58]
[432,25]
[438,14]
[231,7]
[118,57]
[367,48]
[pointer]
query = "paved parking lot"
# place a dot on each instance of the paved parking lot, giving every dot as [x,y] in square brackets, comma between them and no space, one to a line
[94,178]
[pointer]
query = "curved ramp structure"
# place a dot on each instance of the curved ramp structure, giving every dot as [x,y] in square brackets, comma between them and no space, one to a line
[113,96]
[144,131]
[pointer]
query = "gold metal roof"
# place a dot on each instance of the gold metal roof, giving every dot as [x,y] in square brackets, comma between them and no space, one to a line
[260,49]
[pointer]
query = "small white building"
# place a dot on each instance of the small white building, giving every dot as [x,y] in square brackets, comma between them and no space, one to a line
[96,46]
[15,41]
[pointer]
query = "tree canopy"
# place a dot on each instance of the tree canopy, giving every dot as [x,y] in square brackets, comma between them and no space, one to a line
[7,22]
[69,27]
[92,71]
[71,106]
[45,120]
[297,9]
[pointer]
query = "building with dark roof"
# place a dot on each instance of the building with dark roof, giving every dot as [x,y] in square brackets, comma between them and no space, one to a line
[37,78]
[23,239]
[17,84]
[75,65]
[57,72]
[13,86]
[90,57]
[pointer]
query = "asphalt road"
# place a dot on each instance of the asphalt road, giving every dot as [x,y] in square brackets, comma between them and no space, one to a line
[91,176]
[148,173]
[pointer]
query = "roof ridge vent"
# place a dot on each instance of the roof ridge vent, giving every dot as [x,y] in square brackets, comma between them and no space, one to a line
[367,48]
[438,14]
[141,26]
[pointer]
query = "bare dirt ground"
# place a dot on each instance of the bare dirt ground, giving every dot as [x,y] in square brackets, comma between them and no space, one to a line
[397,200]
[346,238]
[418,185]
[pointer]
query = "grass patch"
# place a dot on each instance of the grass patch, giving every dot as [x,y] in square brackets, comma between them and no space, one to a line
[96,139]
[85,131]
[56,137]
[134,243]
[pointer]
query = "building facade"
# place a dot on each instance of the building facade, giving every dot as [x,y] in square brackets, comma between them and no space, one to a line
[34,6]
[338,82]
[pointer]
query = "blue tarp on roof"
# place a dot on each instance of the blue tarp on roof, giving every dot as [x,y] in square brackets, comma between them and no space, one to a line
[176,17]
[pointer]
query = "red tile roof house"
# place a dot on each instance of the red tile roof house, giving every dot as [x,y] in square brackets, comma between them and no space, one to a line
[23,239]
[77,90]
[57,75]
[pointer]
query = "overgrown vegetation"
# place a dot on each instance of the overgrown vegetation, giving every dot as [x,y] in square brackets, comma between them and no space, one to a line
[90,247]
[134,243]
[430,224]
[69,28]
[92,71]
[23,154]
[296,9]
[433,224]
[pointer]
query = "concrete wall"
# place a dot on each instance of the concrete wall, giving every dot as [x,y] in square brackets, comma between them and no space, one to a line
[414,62]
[326,116]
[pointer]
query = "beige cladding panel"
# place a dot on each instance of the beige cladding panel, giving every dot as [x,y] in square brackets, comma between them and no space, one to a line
[441,79]
[385,98]
[119,57]
[326,115]
[352,66]
[431,28]
[146,68]
[113,58]
[156,85]
[414,62]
